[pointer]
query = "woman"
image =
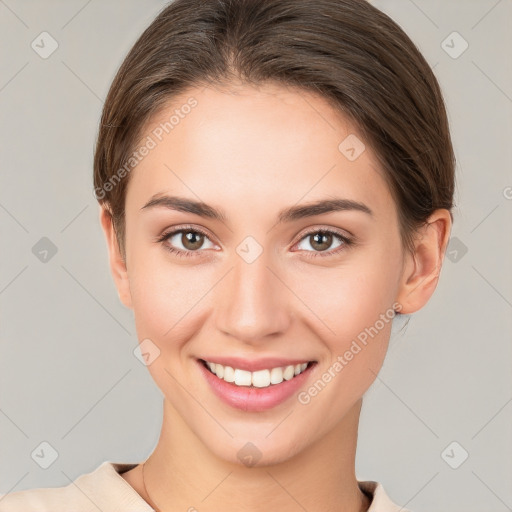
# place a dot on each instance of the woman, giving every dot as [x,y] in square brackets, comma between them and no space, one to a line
[275,180]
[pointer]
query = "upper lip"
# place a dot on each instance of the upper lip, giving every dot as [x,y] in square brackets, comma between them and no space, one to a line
[253,365]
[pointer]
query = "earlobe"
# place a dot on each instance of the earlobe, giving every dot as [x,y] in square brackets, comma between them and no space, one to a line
[117,264]
[422,269]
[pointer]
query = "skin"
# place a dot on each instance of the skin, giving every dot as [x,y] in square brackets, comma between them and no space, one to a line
[252,152]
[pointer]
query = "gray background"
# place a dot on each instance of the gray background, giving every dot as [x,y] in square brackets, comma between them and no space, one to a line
[68,375]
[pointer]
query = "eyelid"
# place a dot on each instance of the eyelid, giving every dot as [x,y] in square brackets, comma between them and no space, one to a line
[324,229]
[346,242]
[347,239]
[177,229]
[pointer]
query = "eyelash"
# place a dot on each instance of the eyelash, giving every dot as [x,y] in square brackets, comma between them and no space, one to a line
[347,242]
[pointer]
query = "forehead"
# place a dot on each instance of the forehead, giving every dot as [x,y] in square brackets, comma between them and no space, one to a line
[244,144]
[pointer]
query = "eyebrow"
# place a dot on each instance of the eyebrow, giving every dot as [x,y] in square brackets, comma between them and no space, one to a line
[291,214]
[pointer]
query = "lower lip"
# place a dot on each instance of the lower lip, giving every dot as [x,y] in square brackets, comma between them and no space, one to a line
[251,398]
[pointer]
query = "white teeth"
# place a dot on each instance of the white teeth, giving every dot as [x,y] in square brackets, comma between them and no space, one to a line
[276,375]
[258,379]
[219,371]
[242,377]
[289,372]
[229,374]
[261,378]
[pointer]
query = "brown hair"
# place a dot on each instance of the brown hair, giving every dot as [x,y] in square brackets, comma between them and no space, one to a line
[347,51]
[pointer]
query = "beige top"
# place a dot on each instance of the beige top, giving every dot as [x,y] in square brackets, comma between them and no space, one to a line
[106,490]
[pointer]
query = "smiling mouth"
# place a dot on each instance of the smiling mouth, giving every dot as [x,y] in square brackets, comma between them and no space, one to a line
[257,379]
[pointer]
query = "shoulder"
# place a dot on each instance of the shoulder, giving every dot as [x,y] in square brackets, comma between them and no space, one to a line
[41,500]
[101,489]
[381,502]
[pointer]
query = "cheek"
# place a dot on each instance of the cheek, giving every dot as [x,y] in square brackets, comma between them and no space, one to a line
[162,289]
[353,315]
[348,299]
[166,300]
[167,308]
[356,320]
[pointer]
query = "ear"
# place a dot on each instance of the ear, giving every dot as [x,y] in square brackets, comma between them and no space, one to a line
[422,269]
[117,263]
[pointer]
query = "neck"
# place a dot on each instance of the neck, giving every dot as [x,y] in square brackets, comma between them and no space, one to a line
[182,473]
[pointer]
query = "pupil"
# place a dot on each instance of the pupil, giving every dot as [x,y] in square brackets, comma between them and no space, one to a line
[194,239]
[322,235]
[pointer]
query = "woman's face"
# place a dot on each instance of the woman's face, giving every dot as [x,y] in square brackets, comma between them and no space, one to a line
[251,282]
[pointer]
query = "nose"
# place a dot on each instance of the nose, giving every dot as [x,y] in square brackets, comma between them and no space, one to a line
[253,302]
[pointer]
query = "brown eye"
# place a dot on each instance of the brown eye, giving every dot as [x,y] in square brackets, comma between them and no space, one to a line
[185,241]
[192,240]
[321,241]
